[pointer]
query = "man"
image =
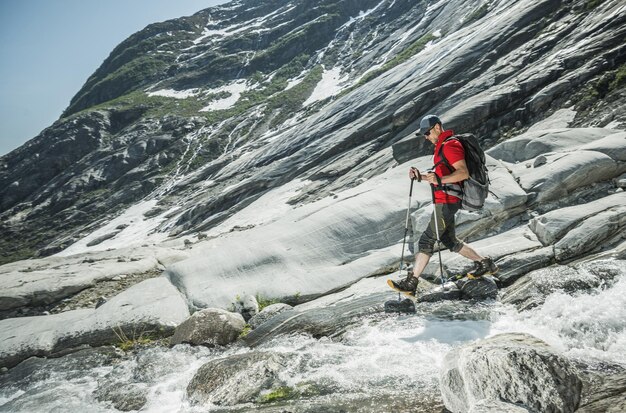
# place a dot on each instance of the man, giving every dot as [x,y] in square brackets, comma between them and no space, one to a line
[448,189]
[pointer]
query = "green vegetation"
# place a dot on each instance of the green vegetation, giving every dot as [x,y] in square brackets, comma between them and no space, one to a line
[599,88]
[125,343]
[264,301]
[246,330]
[413,49]
[281,393]
[592,4]
[620,78]
[477,14]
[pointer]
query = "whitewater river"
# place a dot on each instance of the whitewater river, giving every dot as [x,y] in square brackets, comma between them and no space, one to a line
[385,363]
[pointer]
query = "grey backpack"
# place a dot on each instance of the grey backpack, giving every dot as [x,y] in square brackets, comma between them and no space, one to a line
[475,188]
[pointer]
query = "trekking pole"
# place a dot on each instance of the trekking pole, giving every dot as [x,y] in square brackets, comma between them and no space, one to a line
[432,187]
[406,223]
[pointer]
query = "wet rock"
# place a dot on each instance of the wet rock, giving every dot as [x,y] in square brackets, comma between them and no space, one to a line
[267,313]
[515,266]
[532,290]
[123,396]
[604,387]
[235,379]
[209,327]
[406,306]
[482,288]
[513,368]
[330,321]
[73,365]
[448,291]
[247,306]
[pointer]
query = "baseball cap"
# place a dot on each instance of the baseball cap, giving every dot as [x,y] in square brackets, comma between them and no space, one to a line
[428,122]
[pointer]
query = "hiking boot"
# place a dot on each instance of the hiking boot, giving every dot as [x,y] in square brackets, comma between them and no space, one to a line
[484,267]
[406,285]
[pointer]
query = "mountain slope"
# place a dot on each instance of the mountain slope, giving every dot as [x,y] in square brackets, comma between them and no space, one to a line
[192,119]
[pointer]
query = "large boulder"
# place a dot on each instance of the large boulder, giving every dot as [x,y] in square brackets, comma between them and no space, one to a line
[267,313]
[235,379]
[209,327]
[150,308]
[513,368]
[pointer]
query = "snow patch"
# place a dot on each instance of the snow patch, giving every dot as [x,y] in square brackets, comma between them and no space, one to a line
[329,86]
[235,89]
[176,94]
[296,81]
[437,33]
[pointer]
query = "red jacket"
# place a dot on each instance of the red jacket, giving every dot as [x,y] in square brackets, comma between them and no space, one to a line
[454,152]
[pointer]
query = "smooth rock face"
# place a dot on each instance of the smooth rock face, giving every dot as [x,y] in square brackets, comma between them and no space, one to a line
[552,226]
[591,233]
[267,313]
[514,368]
[152,306]
[235,379]
[48,280]
[209,327]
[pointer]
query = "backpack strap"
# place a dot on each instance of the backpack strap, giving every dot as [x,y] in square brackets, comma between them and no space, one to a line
[455,189]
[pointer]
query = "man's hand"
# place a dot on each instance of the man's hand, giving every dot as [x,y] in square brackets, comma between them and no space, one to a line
[431,178]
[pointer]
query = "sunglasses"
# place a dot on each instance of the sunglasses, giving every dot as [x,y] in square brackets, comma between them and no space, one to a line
[428,131]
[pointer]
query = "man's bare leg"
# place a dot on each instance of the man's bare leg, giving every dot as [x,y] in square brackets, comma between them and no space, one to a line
[421,260]
[469,252]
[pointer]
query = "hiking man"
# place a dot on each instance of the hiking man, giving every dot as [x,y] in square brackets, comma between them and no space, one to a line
[448,185]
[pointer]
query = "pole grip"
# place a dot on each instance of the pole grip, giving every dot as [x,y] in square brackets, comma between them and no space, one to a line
[411,191]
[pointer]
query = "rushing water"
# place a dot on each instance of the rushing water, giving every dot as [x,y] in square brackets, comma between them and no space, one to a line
[386,362]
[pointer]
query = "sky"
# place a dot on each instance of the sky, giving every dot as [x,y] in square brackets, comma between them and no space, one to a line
[48,49]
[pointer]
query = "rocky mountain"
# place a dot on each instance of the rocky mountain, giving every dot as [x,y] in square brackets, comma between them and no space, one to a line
[197,117]
[257,153]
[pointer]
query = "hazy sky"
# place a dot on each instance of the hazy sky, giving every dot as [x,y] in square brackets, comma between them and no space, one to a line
[49,48]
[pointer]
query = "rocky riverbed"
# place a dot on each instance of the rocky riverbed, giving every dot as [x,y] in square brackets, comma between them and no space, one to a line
[376,362]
